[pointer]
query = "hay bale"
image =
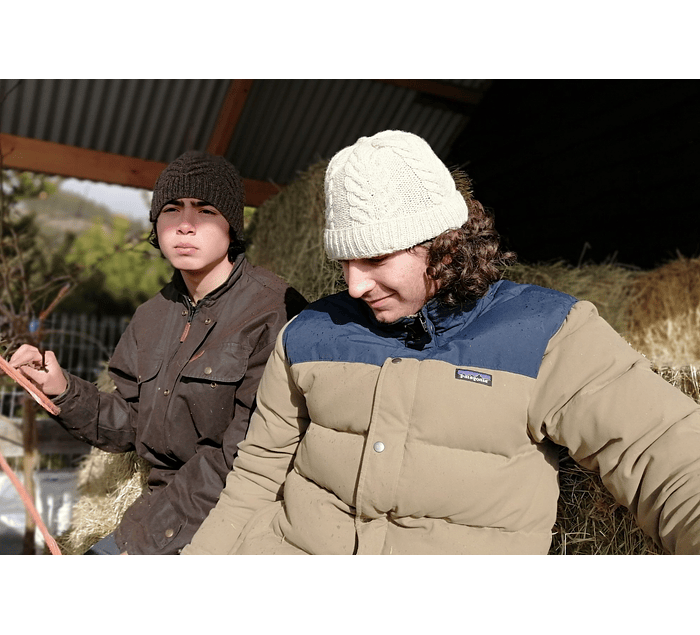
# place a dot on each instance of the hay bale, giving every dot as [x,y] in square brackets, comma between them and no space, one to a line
[108,485]
[609,286]
[685,378]
[590,521]
[286,236]
[657,312]
[664,314]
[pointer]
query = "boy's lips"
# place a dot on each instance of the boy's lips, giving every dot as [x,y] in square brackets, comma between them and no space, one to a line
[185,248]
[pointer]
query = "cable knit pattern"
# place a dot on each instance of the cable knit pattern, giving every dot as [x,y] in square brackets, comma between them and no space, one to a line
[386,193]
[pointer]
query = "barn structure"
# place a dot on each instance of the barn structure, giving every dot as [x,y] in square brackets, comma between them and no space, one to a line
[573,168]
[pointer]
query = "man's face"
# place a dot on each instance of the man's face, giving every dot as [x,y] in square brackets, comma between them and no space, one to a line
[193,236]
[393,286]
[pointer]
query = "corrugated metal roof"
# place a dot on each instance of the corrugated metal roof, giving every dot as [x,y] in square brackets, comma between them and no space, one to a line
[151,119]
[287,125]
[284,126]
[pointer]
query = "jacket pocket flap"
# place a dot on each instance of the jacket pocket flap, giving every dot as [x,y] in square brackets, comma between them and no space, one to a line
[148,367]
[226,363]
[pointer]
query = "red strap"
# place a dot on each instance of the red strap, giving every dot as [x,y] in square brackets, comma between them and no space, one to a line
[51,543]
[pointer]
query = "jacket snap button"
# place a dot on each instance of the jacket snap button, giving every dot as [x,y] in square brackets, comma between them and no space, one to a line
[207,321]
[378,446]
[169,533]
[184,312]
[166,392]
[396,360]
[207,370]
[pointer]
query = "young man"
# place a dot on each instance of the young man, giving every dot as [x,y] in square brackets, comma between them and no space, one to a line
[418,412]
[187,368]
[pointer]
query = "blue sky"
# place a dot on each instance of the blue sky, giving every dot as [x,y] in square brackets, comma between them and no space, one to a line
[124,200]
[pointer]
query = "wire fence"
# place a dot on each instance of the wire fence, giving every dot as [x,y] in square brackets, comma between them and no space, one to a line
[82,344]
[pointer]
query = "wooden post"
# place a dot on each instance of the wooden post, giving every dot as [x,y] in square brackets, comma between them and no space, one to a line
[31,460]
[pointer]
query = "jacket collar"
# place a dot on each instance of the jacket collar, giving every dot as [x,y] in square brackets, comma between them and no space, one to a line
[435,320]
[212,296]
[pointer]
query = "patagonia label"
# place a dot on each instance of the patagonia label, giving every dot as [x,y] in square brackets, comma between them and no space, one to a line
[474,376]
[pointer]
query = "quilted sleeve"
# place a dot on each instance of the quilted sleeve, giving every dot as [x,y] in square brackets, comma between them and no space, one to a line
[600,399]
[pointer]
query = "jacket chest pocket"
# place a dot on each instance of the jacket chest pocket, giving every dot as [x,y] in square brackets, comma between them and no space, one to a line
[148,368]
[209,382]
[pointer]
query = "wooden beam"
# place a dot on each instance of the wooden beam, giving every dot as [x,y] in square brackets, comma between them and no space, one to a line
[46,157]
[257,192]
[438,89]
[229,115]
[22,153]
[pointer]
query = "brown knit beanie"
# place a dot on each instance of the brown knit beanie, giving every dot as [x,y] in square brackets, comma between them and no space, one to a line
[206,177]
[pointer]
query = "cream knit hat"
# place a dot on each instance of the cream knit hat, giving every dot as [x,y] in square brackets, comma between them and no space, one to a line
[387,193]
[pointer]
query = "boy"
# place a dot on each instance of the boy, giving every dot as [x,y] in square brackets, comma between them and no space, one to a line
[187,367]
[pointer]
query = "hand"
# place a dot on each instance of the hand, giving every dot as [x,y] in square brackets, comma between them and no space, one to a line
[43,371]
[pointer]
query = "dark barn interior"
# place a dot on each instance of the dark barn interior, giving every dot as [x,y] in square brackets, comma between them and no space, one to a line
[589,170]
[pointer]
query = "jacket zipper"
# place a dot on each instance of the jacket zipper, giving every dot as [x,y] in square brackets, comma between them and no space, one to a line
[418,332]
[191,310]
[423,322]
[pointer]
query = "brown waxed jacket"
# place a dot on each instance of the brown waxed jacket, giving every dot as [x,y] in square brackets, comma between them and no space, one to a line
[186,377]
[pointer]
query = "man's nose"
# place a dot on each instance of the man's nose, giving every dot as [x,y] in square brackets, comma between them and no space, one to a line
[186,225]
[358,279]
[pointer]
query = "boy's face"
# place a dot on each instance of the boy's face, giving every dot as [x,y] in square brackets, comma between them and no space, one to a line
[193,236]
[394,285]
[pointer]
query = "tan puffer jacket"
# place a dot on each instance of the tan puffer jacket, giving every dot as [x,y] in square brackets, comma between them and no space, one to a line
[374,440]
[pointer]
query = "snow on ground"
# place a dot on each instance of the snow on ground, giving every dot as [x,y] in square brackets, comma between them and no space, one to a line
[55,495]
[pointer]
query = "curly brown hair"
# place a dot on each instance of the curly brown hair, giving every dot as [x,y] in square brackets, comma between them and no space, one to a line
[466,261]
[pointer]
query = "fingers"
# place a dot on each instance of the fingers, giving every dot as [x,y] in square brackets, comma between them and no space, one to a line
[26,355]
[45,373]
